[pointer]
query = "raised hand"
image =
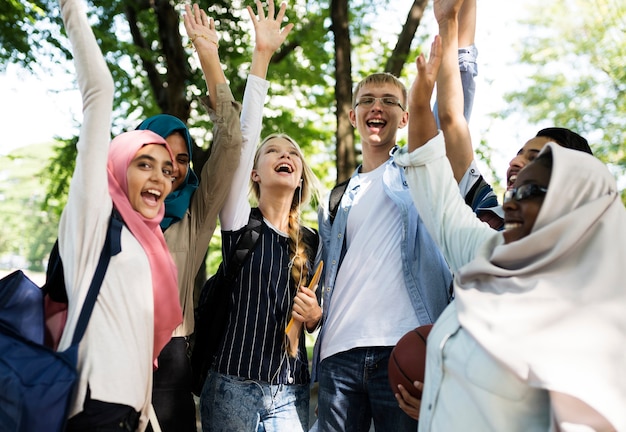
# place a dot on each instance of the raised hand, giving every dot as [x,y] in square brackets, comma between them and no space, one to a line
[422,124]
[200,28]
[446,9]
[269,35]
[422,88]
[268,31]
[202,34]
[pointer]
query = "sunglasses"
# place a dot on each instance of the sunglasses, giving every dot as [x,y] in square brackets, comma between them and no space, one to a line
[524,192]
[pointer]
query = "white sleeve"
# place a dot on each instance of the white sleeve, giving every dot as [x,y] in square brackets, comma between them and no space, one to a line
[89,203]
[236,210]
[573,415]
[96,88]
[452,224]
[85,218]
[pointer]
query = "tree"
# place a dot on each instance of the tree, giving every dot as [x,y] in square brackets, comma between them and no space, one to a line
[17,29]
[577,55]
[155,72]
[27,231]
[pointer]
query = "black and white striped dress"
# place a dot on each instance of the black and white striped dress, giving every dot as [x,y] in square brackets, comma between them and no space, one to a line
[260,308]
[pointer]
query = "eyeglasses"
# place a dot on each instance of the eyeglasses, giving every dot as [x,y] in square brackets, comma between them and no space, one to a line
[388,101]
[524,192]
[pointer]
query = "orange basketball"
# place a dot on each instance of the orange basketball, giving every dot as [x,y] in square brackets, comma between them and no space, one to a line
[407,362]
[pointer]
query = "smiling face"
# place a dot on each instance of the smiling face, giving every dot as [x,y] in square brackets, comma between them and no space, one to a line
[525,155]
[181,158]
[378,122]
[520,215]
[149,178]
[278,164]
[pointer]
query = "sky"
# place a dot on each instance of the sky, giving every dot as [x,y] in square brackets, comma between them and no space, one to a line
[35,109]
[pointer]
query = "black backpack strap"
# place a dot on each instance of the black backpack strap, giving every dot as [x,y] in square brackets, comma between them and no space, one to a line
[112,246]
[335,198]
[245,244]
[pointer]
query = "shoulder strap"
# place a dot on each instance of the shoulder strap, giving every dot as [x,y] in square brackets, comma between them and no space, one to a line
[112,246]
[335,198]
[245,244]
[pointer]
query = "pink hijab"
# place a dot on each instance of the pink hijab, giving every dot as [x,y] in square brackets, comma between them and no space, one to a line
[167,311]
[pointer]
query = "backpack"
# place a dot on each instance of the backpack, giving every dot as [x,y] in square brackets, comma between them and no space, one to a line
[38,382]
[211,314]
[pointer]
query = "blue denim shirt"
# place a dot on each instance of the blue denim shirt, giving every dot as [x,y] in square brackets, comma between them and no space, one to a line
[426,273]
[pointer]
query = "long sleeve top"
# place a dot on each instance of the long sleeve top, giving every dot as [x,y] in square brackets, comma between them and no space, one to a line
[441,207]
[115,355]
[188,239]
[513,333]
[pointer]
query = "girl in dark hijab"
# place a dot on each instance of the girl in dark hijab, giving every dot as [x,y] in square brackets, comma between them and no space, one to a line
[173,129]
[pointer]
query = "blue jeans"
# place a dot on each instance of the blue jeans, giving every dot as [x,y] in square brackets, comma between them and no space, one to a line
[354,389]
[229,403]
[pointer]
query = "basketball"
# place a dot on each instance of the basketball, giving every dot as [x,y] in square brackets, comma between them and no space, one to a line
[407,362]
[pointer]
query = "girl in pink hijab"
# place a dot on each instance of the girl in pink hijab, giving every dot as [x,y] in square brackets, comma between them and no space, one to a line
[137,307]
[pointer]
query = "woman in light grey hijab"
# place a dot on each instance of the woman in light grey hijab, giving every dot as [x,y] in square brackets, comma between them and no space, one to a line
[535,338]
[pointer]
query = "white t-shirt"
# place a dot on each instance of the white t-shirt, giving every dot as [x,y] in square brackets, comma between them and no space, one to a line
[371,305]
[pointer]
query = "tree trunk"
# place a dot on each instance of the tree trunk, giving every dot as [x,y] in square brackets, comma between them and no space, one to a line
[398,57]
[345,152]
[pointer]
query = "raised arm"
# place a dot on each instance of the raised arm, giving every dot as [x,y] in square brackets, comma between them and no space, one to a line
[450,99]
[89,204]
[219,170]
[450,222]
[96,88]
[269,36]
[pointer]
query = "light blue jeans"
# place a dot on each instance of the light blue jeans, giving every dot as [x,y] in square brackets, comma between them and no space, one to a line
[230,403]
[354,389]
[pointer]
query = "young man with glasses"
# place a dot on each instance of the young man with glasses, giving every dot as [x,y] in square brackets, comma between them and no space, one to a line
[384,274]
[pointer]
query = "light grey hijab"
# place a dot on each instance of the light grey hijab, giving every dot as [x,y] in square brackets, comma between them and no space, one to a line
[552,306]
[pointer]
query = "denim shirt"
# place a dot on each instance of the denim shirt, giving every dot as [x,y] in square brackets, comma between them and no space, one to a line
[426,273]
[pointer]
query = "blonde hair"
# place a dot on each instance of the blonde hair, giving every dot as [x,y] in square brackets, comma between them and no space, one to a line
[380,78]
[308,189]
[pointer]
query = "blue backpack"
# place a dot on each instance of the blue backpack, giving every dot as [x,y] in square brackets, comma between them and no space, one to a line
[37,382]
